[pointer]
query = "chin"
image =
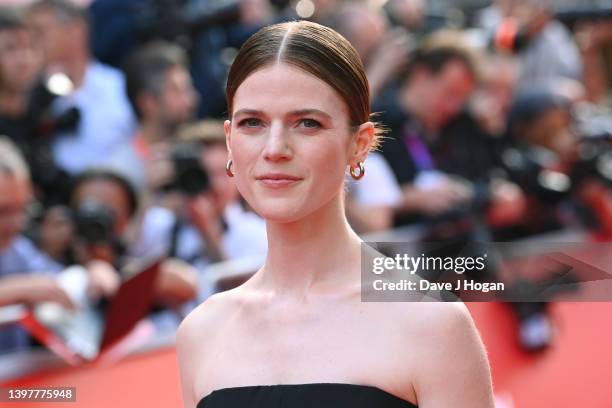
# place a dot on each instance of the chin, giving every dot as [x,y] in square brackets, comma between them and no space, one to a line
[279,209]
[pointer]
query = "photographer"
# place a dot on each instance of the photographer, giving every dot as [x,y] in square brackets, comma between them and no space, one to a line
[104,204]
[23,102]
[565,184]
[558,168]
[27,275]
[545,46]
[384,52]
[159,88]
[443,160]
[208,30]
[93,89]
[168,175]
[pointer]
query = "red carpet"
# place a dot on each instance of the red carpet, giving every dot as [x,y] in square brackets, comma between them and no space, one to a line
[576,372]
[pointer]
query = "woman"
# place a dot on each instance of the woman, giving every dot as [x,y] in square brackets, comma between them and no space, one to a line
[296,334]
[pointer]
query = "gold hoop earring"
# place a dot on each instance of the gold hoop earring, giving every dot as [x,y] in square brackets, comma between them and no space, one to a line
[228,168]
[361,173]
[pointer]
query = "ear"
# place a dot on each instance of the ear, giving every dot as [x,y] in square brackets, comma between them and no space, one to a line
[362,141]
[227,128]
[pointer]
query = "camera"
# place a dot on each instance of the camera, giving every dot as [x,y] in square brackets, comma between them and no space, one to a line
[190,176]
[44,120]
[94,223]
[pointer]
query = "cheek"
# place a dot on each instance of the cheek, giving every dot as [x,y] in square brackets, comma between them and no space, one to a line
[328,164]
[245,153]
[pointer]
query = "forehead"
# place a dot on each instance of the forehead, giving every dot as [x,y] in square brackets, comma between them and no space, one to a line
[456,70]
[176,74]
[174,78]
[282,88]
[100,189]
[456,77]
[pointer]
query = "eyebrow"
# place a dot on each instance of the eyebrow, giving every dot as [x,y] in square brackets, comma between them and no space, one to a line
[300,112]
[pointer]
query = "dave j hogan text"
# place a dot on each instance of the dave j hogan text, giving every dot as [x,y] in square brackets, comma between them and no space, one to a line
[425,285]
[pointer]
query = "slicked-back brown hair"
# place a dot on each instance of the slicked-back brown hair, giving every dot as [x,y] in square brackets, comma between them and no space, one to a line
[315,49]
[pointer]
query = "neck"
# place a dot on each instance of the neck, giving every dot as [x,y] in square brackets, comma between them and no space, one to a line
[319,253]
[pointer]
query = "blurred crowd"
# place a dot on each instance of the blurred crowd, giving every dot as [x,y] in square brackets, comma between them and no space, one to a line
[497,117]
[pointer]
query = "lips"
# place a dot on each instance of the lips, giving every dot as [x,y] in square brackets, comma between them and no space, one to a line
[278,180]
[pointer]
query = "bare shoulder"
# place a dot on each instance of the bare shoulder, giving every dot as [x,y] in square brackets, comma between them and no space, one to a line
[425,323]
[206,317]
[196,336]
[450,318]
[453,366]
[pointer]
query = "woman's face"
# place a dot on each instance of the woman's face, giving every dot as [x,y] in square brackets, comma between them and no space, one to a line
[290,142]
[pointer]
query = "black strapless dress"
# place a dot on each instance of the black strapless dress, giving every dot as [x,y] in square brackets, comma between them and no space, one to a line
[319,395]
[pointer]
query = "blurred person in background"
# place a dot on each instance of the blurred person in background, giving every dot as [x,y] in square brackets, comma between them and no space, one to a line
[439,155]
[168,175]
[563,177]
[24,100]
[546,48]
[594,39]
[53,232]
[409,14]
[494,94]
[94,89]
[26,275]
[19,67]
[104,205]
[162,96]
[384,52]
[210,31]
[567,174]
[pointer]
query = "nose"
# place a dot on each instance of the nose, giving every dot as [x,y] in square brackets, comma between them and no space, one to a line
[277,144]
